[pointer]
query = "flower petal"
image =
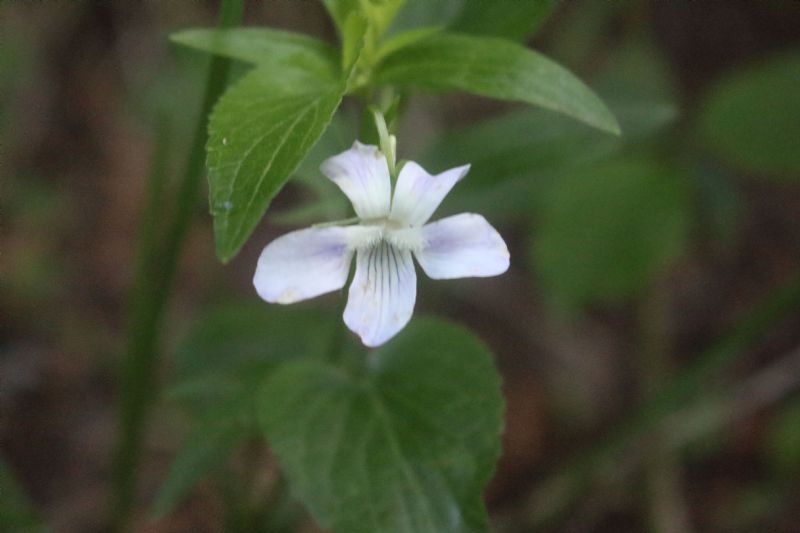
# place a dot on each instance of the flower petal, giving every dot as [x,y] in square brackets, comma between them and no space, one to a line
[363,175]
[382,294]
[462,246]
[303,264]
[418,194]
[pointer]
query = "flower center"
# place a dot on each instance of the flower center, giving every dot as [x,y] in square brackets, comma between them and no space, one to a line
[370,233]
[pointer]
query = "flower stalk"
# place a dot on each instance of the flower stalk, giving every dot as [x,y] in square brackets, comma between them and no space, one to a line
[386,141]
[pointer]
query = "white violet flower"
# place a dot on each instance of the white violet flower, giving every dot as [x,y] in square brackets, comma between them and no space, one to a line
[313,261]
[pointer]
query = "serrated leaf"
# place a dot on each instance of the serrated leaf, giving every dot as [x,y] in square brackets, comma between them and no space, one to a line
[495,68]
[752,118]
[338,137]
[264,46]
[259,132]
[219,366]
[608,229]
[403,443]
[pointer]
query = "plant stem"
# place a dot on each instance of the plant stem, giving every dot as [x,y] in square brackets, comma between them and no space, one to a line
[136,371]
[387,142]
[662,469]
[152,286]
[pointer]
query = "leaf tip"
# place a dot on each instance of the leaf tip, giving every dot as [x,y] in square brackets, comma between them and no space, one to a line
[225,255]
[609,123]
[177,37]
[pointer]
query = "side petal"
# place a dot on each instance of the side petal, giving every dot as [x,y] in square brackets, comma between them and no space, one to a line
[363,175]
[382,294]
[462,246]
[418,194]
[303,264]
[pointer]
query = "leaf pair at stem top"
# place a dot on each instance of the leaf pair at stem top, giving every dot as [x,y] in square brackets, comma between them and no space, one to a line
[265,124]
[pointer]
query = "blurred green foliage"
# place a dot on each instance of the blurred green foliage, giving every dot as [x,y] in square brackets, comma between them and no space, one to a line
[428,404]
[217,370]
[510,19]
[783,442]
[752,118]
[236,342]
[609,229]
[16,511]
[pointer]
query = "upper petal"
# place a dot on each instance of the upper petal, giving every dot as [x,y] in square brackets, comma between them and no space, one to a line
[418,194]
[303,264]
[363,175]
[462,246]
[382,294]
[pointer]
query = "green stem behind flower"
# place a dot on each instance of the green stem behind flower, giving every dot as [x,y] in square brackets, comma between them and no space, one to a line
[152,287]
[387,142]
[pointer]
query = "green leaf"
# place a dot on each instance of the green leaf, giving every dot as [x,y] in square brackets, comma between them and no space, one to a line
[378,13]
[516,157]
[327,201]
[337,138]
[353,35]
[259,132]
[510,19]
[418,13]
[237,344]
[219,364]
[495,68]
[361,24]
[205,451]
[402,442]
[609,229]
[404,39]
[719,205]
[340,10]
[636,71]
[752,118]
[263,46]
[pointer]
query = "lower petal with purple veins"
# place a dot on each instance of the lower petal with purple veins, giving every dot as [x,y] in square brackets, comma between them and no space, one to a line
[382,295]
